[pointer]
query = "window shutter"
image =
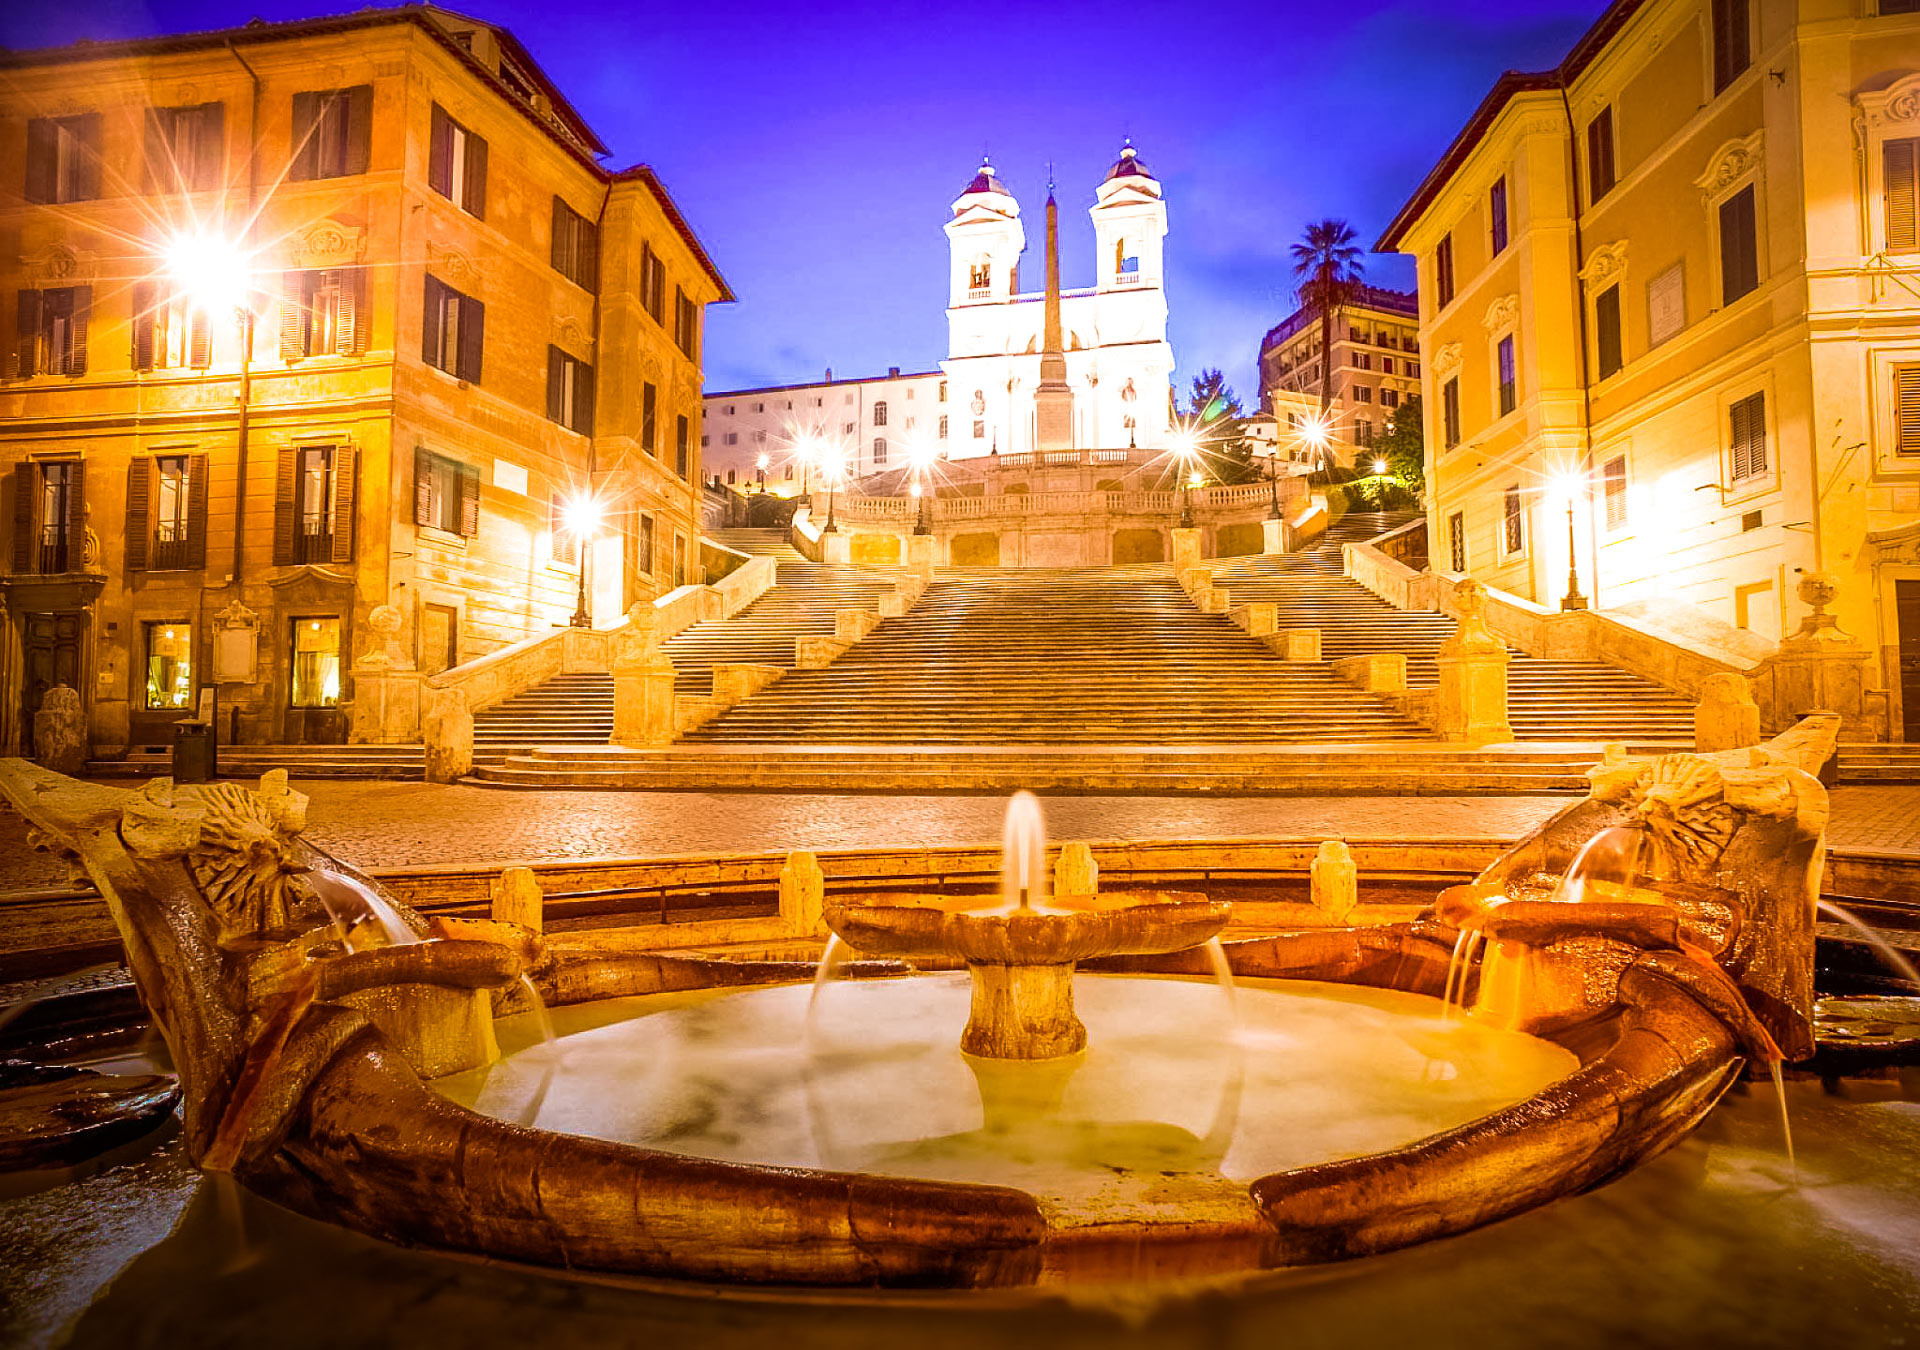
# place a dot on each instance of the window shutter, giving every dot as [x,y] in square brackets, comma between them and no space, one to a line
[440,153]
[158,177]
[26,330]
[1748,432]
[88,178]
[306,139]
[283,516]
[77,330]
[42,160]
[422,485]
[473,318]
[430,324]
[293,315]
[197,470]
[556,383]
[139,511]
[469,501]
[1902,163]
[210,161]
[1739,254]
[345,479]
[1606,313]
[359,139]
[76,512]
[199,340]
[26,483]
[1906,410]
[143,300]
[557,249]
[347,337]
[583,400]
[476,186]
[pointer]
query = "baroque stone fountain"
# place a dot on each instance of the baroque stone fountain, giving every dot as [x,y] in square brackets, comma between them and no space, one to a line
[339,1056]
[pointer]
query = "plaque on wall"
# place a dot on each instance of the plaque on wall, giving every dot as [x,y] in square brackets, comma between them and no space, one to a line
[236,644]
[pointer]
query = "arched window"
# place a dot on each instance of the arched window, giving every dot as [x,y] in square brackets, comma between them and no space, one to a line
[979,274]
[880,413]
[879,449]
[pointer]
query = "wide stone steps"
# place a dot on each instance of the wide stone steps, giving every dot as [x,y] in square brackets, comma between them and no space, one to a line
[772,543]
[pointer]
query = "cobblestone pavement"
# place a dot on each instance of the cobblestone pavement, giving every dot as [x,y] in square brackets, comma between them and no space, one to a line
[376,824]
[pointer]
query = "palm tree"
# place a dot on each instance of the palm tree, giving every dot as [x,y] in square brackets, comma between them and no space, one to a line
[1327,262]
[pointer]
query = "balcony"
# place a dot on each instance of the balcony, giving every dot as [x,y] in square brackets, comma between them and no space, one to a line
[1128,279]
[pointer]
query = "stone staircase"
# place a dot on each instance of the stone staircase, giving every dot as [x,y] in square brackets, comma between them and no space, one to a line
[1547,700]
[1086,656]
[801,603]
[771,543]
[575,709]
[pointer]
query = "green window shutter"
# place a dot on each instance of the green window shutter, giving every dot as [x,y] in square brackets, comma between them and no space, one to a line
[556,383]
[440,152]
[139,511]
[26,491]
[286,476]
[43,137]
[26,335]
[197,472]
[430,322]
[422,485]
[473,319]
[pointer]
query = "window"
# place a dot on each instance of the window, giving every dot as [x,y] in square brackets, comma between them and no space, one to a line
[1362,431]
[51,327]
[645,545]
[943,426]
[650,418]
[943,392]
[760,438]
[1443,271]
[167,513]
[168,331]
[1739,247]
[1730,42]
[1362,393]
[1513,525]
[979,276]
[1747,434]
[1389,398]
[1606,326]
[733,438]
[1450,411]
[653,284]
[979,431]
[1899,7]
[313,505]
[452,331]
[1509,377]
[880,413]
[1600,179]
[1457,541]
[564,543]
[879,449]
[1906,410]
[1386,365]
[48,515]
[575,251]
[316,663]
[457,164]
[1363,360]
[63,158]
[1355,335]
[569,391]
[1901,161]
[686,323]
[332,133]
[186,148]
[446,494]
[320,313]
[679,560]
[1613,481]
[680,458]
[169,649]
[1413,369]
[1497,215]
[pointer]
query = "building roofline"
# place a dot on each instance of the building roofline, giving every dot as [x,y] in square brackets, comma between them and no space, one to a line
[822,384]
[1509,86]
[644,174]
[1382,299]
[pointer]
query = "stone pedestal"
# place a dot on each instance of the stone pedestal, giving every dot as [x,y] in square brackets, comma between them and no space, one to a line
[921,554]
[1335,882]
[836,547]
[386,705]
[60,732]
[1472,701]
[1273,536]
[1186,549]
[1376,672]
[643,700]
[518,899]
[447,734]
[850,625]
[1822,669]
[1075,872]
[1259,619]
[1023,1012]
[803,892]
[1726,717]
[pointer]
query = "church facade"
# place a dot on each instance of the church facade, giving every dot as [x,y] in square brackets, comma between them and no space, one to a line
[1113,337]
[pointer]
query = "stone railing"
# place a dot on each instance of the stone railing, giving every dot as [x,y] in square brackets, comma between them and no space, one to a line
[814,543]
[1407,545]
[1134,502]
[1674,646]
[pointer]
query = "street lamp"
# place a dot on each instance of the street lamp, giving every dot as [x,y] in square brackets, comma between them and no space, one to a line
[760,471]
[832,460]
[1317,432]
[1186,449]
[1571,483]
[920,455]
[582,519]
[1273,478]
[803,447]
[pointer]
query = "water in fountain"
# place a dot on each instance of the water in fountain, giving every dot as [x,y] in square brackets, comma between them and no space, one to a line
[1893,956]
[1458,968]
[1023,853]
[358,910]
[1611,859]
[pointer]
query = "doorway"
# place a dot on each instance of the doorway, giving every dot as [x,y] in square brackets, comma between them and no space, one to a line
[50,655]
[439,638]
[1906,599]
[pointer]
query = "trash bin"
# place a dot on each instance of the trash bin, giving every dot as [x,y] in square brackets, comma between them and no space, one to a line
[192,752]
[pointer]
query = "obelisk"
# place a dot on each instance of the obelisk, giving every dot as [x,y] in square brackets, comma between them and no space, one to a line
[1053,400]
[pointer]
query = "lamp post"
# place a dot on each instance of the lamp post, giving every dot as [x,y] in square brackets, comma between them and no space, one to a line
[1273,480]
[830,464]
[583,515]
[920,455]
[1571,484]
[760,471]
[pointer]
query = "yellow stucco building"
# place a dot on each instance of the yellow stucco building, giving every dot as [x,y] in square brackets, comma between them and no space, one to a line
[1674,284]
[460,324]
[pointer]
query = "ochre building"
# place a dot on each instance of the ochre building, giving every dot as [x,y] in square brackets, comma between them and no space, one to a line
[1673,287]
[460,325]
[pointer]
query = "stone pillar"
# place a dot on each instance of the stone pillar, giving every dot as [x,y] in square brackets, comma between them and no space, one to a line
[1260,618]
[642,686]
[1273,536]
[1334,881]
[386,687]
[1726,717]
[1075,872]
[921,554]
[836,547]
[1186,549]
[448,736]
[1822,669]
[518,899]
[60,732]
[803,895]
[1472,702]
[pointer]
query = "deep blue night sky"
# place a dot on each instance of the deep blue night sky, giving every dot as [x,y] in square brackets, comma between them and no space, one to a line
[816,149]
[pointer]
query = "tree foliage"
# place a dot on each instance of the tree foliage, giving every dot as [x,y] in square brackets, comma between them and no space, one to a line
[1326,260]
[1404,444]
[1216,416]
